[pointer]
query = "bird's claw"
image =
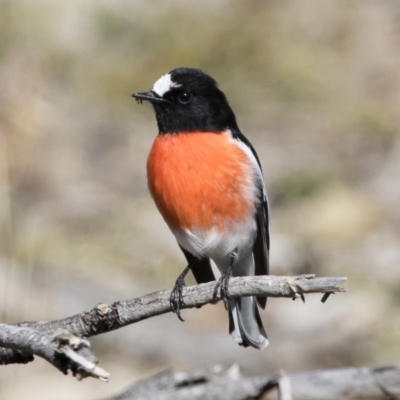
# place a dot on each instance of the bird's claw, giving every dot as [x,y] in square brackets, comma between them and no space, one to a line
[176,298]
[223,287]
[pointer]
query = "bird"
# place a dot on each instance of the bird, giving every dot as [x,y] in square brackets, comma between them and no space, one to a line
[207,182]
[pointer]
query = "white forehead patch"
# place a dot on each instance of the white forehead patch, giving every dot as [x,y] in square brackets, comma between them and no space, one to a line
[164,85]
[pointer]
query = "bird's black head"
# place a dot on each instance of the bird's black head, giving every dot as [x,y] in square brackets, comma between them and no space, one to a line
[188,100]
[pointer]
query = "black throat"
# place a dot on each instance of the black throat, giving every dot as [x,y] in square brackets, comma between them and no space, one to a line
[207,111]
[211,116]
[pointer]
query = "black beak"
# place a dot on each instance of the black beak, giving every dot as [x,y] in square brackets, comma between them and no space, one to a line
[148,96]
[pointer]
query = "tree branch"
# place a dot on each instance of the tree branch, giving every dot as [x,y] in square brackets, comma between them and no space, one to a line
[63,350]
[217,383]
[108,317]
[36,337]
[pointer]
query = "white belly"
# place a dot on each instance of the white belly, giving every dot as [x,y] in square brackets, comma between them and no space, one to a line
[219,246]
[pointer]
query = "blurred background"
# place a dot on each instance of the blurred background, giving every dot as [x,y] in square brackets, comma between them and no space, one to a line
[316,88]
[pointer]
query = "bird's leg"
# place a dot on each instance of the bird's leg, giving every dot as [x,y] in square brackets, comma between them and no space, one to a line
[176,298]
[223,282]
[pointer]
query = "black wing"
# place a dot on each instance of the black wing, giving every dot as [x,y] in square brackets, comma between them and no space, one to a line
[201,268]
[261,244]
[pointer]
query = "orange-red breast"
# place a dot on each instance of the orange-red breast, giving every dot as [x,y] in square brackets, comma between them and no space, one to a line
[206,180]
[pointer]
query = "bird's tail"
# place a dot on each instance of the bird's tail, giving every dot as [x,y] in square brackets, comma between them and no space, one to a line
[245,325]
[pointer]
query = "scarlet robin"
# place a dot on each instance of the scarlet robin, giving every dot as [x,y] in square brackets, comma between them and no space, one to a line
[206,180]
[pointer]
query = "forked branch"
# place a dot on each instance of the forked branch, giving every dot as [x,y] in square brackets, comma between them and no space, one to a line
[38,338]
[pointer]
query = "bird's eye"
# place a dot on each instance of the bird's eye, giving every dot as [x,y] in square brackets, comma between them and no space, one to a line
[184,97]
